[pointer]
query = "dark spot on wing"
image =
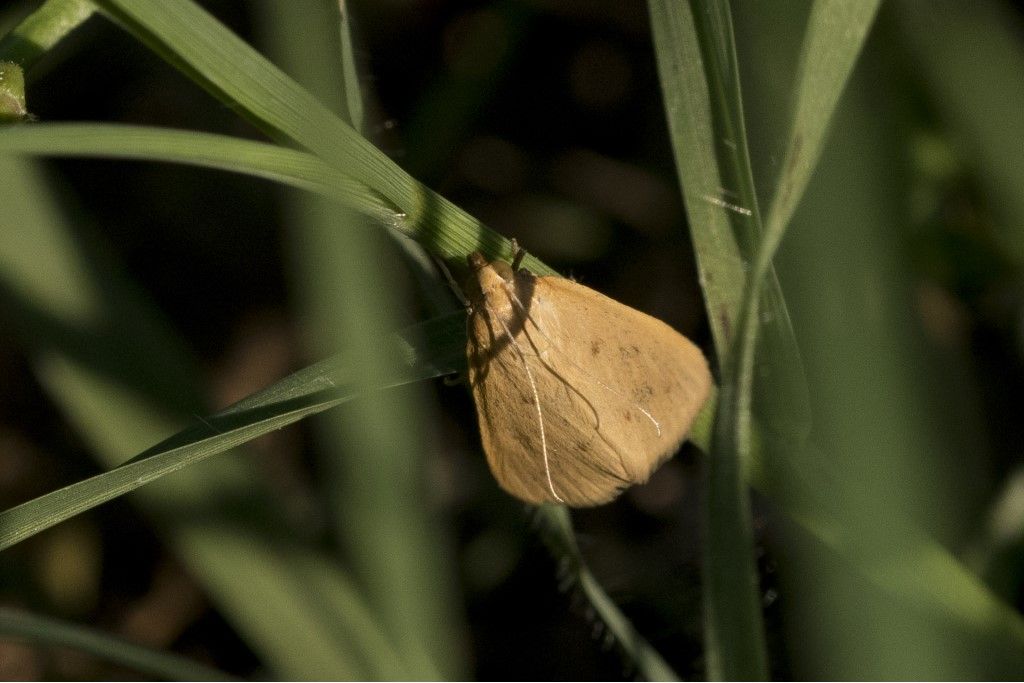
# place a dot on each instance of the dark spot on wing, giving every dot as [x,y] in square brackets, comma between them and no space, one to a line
[595,347]
[629,416]
[626,352]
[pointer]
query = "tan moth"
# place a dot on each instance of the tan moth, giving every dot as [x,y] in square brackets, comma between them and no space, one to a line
[578,396]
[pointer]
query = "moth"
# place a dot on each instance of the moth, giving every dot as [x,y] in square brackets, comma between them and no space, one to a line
[577,395]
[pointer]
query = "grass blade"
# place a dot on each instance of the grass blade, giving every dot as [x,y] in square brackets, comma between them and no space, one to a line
[375,455]
[308,621]
[555,527]
[689,110]
[306,393]
[12,93]
[193,41]
[34,628]
[734,640]
[208,150]
[353,98]
[781,398]
[44,28]
[836,31]
[835,35]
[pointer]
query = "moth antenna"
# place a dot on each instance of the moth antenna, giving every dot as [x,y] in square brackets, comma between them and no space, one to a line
[443,267]
[536,403]
[515,301]
[206,423]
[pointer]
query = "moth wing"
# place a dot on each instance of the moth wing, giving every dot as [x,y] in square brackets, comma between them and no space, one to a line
[617,392]
[648,381]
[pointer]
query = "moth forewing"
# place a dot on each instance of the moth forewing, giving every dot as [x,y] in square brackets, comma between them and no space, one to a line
[578,396]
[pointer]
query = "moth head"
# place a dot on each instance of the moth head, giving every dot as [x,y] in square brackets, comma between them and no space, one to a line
[478,263]
[485,276]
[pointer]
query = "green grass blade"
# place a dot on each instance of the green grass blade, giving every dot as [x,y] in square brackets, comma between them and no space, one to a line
[835,35]
[60,296]
[426,350]
[734,640]
[713,29]
[919,581]
[349,69]
[43,29]
[836,31]
[781,397]
[259,159]
[904,606]
[41,630]
[12,93]
[555,527]
[375,455]
[193,41]
[690,123]
[735,630]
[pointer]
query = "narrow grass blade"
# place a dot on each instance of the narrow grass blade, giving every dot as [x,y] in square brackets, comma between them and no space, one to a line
[781,397]
[12,93]
[836,31]
[555,527]
[892,478]
[259,159]
[735,631]
[353,98]
[41,630]
[689,110]
[43,29]
[374,456]
[193,41]
[835,35]
[734,641]
[219,516]
[714,33]
[276,407]
[914,575]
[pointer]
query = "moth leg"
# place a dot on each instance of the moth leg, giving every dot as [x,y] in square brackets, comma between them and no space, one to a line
[454,380]
[456,290]
[518,255]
